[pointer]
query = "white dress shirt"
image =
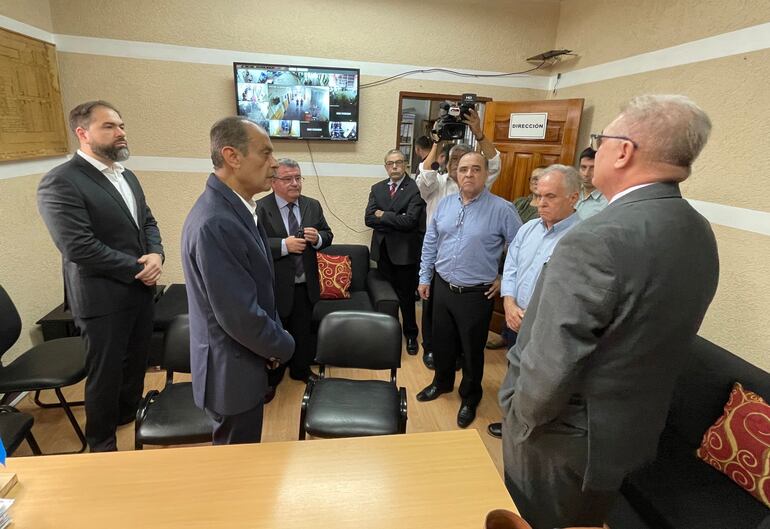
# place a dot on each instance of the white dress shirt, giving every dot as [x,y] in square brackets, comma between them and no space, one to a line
[115,175]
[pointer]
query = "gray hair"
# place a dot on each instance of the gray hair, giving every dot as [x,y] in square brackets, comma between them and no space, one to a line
[394,151]
[288,162]
[229,132]
[570,176]
[673,128]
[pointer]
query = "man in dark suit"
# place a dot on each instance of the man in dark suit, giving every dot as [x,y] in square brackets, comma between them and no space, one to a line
[396,214]
[610,322]
[296,229]
[112,257]
[235,330]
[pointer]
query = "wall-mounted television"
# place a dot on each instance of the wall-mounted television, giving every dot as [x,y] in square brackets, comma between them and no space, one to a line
[299,102]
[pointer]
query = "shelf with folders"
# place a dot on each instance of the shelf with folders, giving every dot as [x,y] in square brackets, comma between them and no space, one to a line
[406,137]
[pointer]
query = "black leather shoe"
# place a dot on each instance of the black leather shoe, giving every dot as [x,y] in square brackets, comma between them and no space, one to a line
[495,429]
[432,392]
[270,395]
[305,378]
[411,346]
[427,359]
[466,415]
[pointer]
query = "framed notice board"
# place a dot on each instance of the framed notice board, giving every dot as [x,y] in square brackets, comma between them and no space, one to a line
[31,118]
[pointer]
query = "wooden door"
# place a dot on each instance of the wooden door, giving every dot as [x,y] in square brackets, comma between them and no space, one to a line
[519,157]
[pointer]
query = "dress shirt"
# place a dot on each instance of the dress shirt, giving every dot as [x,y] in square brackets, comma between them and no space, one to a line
[434,186]
[464,241]
[115,175]
[284,209]
[252,207]
[630,189]
[530,250]
[591,204]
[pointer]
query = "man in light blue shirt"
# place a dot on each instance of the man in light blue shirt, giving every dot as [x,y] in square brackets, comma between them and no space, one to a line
[556,195]
[591,200]
[462,246]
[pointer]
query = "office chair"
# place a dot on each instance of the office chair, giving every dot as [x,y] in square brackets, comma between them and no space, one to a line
[51,365]
[169,416]
[15,427]
[339,407]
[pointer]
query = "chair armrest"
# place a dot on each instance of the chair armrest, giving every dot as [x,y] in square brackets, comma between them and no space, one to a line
[381,294]
[144,404]
[402,409]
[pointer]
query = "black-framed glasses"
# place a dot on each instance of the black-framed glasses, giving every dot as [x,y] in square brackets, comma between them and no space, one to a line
[596,140]
[396,163]
[290,179]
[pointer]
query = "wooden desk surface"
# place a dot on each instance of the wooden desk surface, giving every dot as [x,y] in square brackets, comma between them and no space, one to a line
[428,480]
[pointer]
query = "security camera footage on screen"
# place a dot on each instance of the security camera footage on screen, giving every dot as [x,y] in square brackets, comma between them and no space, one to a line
[297,102]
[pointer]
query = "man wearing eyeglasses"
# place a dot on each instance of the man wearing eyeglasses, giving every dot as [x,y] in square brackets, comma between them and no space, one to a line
[296,230]
[460,254]
[610,322]
[396,214]
[591,199]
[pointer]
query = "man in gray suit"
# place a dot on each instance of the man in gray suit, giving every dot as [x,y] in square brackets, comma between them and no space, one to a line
[235,331]
[610,322]
[112,256]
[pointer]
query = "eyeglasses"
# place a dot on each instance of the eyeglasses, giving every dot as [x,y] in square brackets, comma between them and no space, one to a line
[397,163]
[290,179]
[596,140]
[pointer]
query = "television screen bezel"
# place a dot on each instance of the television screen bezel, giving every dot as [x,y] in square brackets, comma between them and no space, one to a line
[286,66]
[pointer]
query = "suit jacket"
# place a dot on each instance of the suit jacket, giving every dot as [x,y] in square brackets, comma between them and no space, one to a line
[234,326]
[97,237]
[608,329]
[402,224]
[312,216]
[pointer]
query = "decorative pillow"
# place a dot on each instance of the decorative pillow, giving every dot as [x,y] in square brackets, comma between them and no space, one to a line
[738,444]
[334,275]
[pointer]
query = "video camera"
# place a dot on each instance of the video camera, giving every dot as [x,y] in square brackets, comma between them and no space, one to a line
[449,125]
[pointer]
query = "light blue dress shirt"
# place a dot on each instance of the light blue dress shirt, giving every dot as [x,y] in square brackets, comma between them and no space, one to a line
[530,250]
[591,204]
[463,243]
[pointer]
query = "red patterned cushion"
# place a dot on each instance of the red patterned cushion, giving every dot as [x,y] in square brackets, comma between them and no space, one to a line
[738,444]
[334,274]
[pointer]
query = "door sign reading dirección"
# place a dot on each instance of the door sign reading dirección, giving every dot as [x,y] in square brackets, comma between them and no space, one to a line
[529,126]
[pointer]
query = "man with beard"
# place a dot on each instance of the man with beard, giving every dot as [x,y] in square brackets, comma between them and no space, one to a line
[112,257]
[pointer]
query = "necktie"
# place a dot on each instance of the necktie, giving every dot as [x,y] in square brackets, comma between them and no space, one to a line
[299,267]
[393,186]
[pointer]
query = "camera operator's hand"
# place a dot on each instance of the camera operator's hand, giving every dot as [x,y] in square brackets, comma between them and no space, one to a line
[474,122]
[295,245]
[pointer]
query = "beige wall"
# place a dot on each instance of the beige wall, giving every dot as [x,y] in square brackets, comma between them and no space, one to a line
[497,36]
[33,12]
[607,30]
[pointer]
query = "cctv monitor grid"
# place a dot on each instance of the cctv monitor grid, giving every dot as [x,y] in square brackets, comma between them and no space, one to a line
[299,103]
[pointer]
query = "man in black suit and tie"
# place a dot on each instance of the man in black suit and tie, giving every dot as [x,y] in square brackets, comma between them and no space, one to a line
[296,230]
[396,214]
[235,331]
[112,257]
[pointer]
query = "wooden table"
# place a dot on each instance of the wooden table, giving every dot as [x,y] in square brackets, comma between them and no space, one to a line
[427,480]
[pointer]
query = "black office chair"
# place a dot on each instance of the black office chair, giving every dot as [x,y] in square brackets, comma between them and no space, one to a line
[51,365]
[170,417]
[15,427]
[338,407]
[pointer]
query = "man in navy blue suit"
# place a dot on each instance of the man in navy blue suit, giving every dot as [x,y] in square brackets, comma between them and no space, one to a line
[235,331]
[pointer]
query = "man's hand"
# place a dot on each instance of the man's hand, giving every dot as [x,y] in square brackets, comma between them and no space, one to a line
[311,236]
[474,122]
[378,213]
[513,313]
[424,291]
[295,245]
[494,289]
[153,267]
